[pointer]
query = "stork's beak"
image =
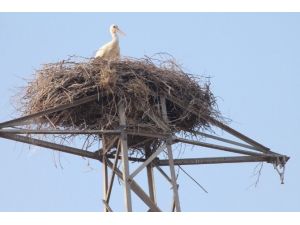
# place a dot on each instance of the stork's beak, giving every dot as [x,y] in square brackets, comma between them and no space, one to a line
[121,32]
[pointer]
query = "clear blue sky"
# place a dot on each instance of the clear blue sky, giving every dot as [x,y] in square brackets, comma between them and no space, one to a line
[253,60]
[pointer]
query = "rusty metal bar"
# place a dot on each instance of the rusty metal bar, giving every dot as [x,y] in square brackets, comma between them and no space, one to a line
[46,144]
[225,140]
[169,180]
[104,174]
[222,126]
[217,160]
[163,172]
[170,155]
[56,131]
[150,175]
[79,152]
[105,178]
[146,134]
[124,153]
[137,189]
[173,176]
[106,205]
[239,135]
[219,147]
[18,121]
[148,160]
[111,182]
[133,159]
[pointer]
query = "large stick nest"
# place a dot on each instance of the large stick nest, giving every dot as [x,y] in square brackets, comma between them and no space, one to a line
[137,83]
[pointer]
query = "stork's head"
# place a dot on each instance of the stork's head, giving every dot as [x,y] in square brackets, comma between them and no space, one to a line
[114,29]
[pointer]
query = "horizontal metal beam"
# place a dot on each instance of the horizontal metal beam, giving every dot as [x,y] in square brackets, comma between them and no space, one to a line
[147,134]
[19,121]
[56,131]
[190,161]
[49,145]
[132,159]
[217,160]
[218,147]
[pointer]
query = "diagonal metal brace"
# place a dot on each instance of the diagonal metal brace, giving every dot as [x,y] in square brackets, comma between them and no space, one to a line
[149,160]
[46,144]
[21,120]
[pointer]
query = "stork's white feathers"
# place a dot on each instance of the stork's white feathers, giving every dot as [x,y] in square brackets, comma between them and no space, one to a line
[111,50]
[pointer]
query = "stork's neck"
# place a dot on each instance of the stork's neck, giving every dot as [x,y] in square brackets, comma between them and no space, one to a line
[115,37]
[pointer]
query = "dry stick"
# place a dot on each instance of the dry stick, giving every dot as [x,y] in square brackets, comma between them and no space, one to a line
[259,174]
[110,145]
[157,121]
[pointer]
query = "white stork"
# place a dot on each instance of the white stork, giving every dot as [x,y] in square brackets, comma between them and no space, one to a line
[111,50]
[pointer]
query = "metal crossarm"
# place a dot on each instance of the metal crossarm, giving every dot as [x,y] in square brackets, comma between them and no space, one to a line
[116,152]
[21,120]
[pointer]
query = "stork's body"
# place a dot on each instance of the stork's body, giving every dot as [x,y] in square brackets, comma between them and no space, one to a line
[111,50]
